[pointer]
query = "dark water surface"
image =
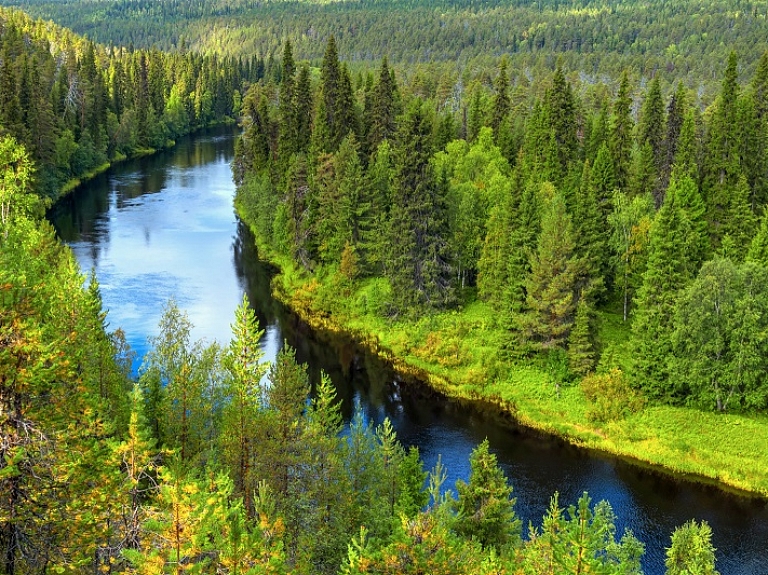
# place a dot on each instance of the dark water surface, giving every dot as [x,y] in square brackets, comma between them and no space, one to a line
[164,227]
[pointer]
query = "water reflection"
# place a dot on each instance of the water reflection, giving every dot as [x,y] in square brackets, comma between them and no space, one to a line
[164,226]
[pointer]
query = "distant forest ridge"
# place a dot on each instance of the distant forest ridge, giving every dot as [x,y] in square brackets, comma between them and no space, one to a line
[685,40]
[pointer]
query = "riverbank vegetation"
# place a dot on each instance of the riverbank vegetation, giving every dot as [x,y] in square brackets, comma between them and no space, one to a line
[215,462]
[590,257]
[478,228]
[77,106]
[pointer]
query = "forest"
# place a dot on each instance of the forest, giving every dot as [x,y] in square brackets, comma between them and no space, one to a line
[77,106]
[676,39]
[599,243]
[543,210]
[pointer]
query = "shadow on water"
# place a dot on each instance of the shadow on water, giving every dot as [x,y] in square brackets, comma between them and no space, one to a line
[177,206]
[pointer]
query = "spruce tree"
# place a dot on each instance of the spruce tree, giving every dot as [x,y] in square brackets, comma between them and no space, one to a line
[384,109]
[554,271]
[288,130]
[417,266]
[622,128]
[581,348]
[758,249]
[561,111]
[676,112]
[723,166]
[740,224]
[485,509]
[501,103]
[303,110]
[589,235]
[675,252]
[651,127]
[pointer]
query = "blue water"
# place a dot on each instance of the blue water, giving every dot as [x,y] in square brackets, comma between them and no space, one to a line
[164,227]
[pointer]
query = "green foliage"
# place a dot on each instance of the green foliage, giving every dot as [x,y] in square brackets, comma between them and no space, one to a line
[550,285]
[610,396]
[691,552]
[718,338]
[484,507]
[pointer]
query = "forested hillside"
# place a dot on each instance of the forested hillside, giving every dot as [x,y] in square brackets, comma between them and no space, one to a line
[680,39]
[608,245]
[77,106]
[567,204]
[586,257]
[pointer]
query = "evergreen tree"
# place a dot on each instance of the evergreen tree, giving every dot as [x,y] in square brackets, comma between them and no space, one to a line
[303,110]
[552,280]
[384,111]
[288,130]
[622,128]
[561,110]
[501,102]
[675,252]
[691,551]
[740,223]
[651,127]
[722,168]
[581,349]
[485,509]
[758,249]
[676,113]
[243,399]
[417,266]
[589,237]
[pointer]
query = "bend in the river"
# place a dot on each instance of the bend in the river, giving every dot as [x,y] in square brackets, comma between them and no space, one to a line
[164,226]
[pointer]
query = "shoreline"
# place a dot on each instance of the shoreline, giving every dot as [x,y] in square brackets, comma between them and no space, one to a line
[670,460]
[70,186]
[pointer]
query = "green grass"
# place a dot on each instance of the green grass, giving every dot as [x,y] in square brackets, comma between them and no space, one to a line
[458,353]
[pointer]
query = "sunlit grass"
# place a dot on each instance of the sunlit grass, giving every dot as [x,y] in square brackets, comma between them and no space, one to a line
[459,353]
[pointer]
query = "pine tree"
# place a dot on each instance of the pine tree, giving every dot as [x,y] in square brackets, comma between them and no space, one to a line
[243,399]
[581,349]
[485,509]
[554,270]
[691,551]
[622,128]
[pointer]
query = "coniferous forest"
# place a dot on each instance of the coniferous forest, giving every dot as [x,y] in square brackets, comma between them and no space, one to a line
[572,228]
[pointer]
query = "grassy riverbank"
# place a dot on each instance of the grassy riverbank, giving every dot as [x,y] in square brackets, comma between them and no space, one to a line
[458,354]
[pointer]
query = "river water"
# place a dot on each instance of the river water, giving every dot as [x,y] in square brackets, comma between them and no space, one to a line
[163,227]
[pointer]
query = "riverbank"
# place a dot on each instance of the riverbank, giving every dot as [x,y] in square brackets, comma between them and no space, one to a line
[457,353]
[71,185]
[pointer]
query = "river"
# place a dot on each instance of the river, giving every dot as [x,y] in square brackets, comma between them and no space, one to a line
[163,227]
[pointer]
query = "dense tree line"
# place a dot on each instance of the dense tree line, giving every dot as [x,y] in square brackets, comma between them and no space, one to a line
[678,39]
[76,106]
[218,463]
[546,207]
